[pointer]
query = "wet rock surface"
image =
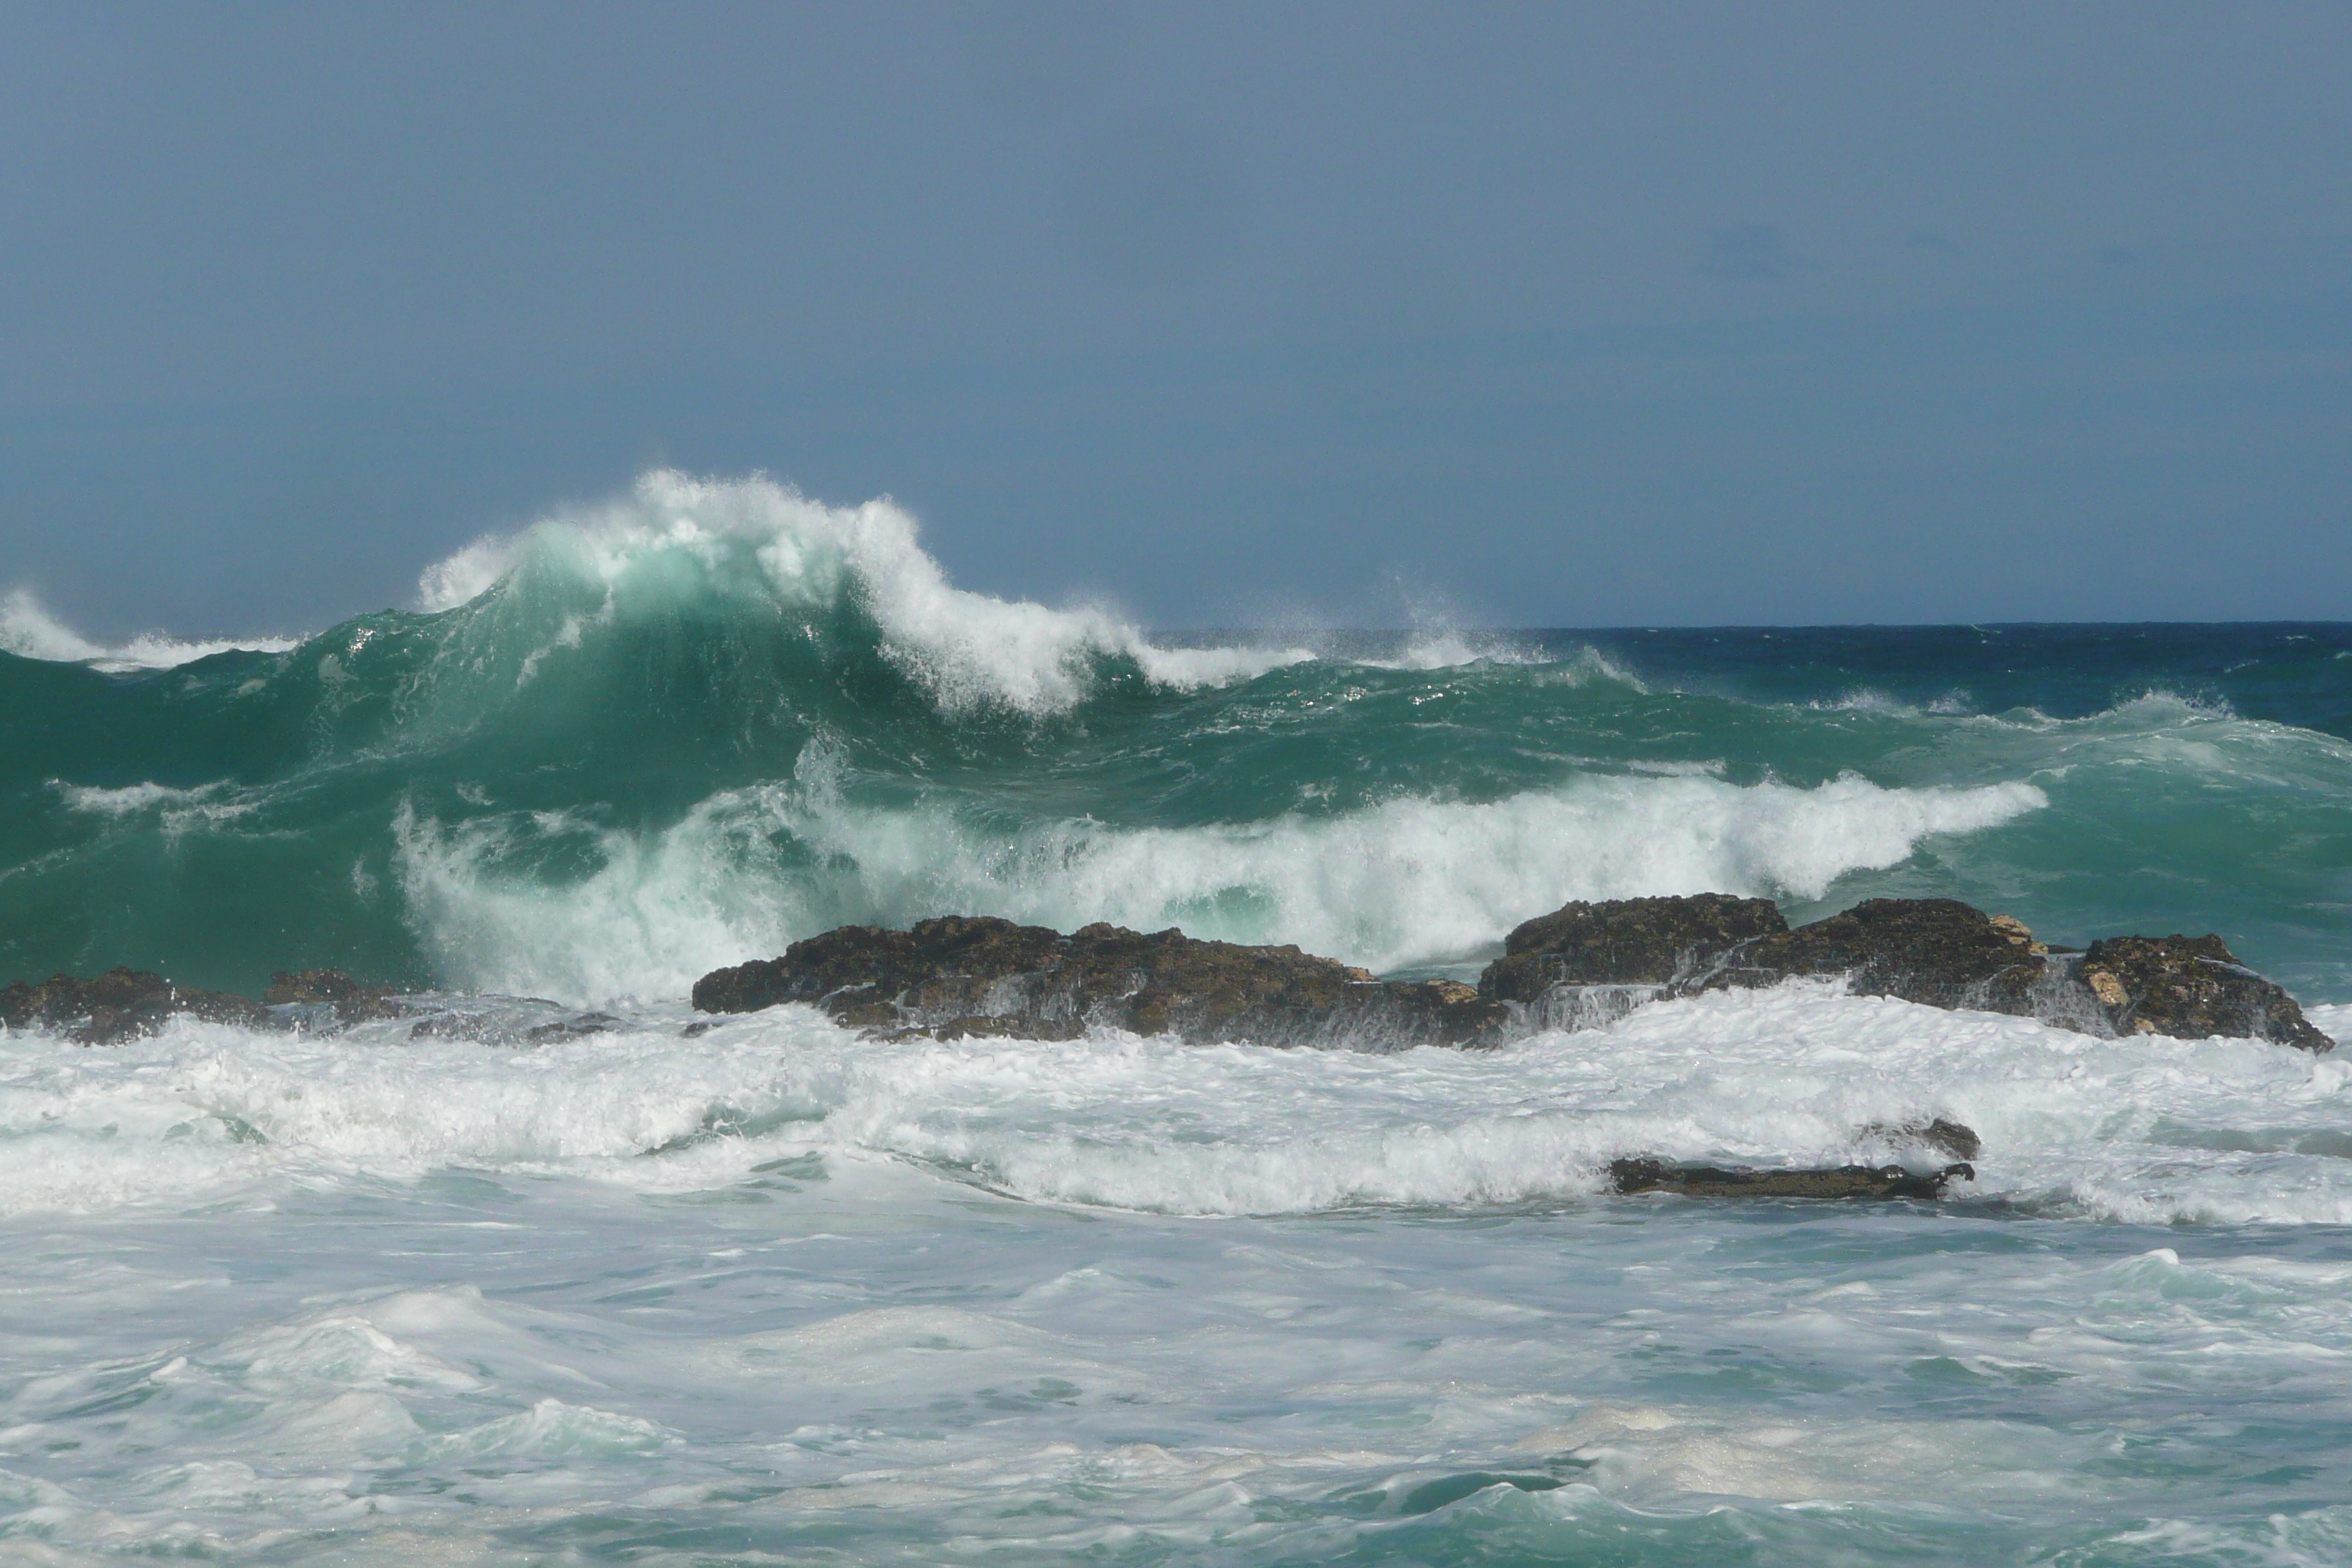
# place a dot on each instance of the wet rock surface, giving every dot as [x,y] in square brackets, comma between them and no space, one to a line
[965,975]
[2189,987]
[1626,941]
[1878,1182]
[343,1000]
[1941,1136]
[121,1004]
[1581,966]
[126,1003]
[1937,951]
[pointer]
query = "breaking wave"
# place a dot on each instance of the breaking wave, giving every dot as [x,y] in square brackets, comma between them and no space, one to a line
[1409,881]
[693,722]
[675,536]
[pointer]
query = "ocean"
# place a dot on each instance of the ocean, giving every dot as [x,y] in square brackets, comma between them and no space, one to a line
[560,1282]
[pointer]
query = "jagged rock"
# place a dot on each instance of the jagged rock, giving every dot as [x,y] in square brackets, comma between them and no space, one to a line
[2191,987]
[1631,1176]
[1940,952]
[1625,942]
[121,1004]
[961,977]
[1587,964]
[330,990]
[1945,953]
[2017,931]
[978,974]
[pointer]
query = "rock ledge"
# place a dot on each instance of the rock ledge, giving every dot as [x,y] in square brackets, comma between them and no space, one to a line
[963,976]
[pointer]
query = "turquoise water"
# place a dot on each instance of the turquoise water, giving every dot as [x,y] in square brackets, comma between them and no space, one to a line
[777,1294]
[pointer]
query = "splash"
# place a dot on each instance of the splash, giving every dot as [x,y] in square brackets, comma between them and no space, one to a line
[1409,881]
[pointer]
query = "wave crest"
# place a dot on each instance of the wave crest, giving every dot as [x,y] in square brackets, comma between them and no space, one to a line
[677,534]
[28,630]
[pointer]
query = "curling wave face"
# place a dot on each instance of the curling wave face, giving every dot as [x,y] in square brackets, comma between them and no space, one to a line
[685,727]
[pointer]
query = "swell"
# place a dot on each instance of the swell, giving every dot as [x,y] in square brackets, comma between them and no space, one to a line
[691,724]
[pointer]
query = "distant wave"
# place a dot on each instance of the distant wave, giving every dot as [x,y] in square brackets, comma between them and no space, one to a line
[28,630]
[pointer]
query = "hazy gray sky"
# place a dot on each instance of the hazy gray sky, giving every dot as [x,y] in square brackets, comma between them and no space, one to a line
[1581,315]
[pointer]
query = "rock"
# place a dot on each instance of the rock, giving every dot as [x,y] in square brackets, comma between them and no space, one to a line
[1587,964]
[573,1029]
[2016,931]
[965,975]
[1625,942]
[330,991]
[1950,1139]
[1631,1176]
[1582,966]
[1940,952]
[2189,987]
[121,1004]
[124,1004]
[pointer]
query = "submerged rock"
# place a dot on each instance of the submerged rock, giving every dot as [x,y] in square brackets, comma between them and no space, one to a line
[1631,1176]
[121,1004]
[343,999]
[2189,987]
[1950,1139]
[125,1004]
[963,976]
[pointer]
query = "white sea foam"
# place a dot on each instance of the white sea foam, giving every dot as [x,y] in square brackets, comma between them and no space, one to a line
[30,631]
[176,811]
[1451,648]
[1790,1076]
[782,1289]
[2141,1129]
[968,649]
[1409,881]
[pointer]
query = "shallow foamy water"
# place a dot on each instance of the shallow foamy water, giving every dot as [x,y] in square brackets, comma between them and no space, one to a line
[776,1294]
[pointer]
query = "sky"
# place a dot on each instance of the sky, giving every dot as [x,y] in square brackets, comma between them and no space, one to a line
[1364,314]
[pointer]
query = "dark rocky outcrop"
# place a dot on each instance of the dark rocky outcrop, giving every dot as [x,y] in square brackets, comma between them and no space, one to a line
[1940,952]
[125,1004]
[1631,1176]
[977,975]
[1625,942]
[2189,987]
[973,976]
[121,1004]
[1589,963]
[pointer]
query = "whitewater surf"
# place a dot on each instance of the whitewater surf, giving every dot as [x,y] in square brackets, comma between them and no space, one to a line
[655,1288]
